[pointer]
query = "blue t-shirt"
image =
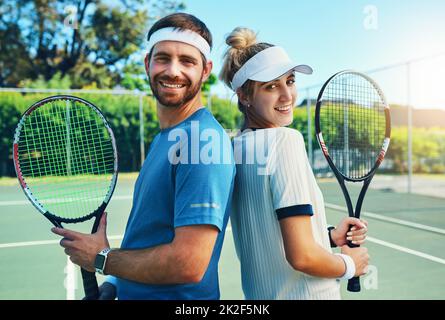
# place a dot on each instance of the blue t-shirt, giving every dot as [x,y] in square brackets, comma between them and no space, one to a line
[186,179]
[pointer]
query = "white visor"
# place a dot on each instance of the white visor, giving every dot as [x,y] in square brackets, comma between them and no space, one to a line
[267,65]
[185,36]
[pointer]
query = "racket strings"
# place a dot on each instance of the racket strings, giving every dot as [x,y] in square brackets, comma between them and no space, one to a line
[54,168]
[67,157]
[352,119]
[56,165]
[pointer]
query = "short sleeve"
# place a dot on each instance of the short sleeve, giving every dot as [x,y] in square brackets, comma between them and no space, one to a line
[111,279]
[289,175]
[203,191]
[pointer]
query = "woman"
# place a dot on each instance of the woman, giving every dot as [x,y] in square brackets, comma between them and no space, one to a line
[278,216]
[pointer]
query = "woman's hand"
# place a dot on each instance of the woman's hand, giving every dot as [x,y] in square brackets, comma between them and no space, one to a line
[344,233]
[360,257]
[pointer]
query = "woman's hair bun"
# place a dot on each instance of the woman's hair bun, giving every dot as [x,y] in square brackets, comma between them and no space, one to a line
[241,38]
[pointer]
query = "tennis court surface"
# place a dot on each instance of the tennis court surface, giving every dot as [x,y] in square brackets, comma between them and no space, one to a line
[406,243]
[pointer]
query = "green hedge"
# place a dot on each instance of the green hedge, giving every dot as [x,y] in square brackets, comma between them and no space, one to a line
[428,150]
[428,146]
[122,111]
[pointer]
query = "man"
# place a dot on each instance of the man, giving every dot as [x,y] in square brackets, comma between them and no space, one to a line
[174,234]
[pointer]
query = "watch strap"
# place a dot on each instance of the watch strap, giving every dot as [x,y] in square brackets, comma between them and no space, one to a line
[101,255]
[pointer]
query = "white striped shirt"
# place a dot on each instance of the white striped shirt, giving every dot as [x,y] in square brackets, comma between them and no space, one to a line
[277,177]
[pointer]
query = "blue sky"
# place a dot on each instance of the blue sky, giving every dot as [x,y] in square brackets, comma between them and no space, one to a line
[342,34]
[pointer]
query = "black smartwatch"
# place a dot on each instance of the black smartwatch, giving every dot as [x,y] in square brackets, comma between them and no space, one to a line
[101,260]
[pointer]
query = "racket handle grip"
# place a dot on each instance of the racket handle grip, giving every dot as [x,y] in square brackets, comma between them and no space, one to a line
[90,285]
[353,283]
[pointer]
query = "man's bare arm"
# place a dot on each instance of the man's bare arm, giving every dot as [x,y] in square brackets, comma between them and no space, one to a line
[184,260]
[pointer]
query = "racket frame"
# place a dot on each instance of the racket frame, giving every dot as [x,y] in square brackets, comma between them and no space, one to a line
[354,283]
[56,220]
[89,278]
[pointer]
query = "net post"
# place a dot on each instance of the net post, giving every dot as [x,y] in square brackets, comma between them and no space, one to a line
[141,128]
[209,100]
[68,139]
[309,127]
[410,126]
[345,105]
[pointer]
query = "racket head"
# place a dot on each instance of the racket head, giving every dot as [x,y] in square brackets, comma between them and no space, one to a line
[352,124]
[65,158]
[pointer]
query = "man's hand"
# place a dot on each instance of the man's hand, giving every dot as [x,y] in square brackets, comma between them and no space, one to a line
[107,291]
[357,234]
[82,248]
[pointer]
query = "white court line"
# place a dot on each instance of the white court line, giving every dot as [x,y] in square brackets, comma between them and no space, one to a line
[229,229]
[71,274]
[26,202]
[28,243]
[44,242]
[388,219]
[328,205]
[406,250]
[70,279]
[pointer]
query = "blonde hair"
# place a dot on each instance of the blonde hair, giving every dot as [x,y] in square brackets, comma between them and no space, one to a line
[243,45]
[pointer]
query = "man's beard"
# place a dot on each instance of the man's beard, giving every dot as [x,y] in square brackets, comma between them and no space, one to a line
[176,100]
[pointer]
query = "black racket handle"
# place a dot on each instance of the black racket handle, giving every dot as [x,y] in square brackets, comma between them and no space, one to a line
[90,285]
[353,283]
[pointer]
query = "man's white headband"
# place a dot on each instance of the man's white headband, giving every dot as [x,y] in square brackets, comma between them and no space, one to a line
[186,36]
[267,65]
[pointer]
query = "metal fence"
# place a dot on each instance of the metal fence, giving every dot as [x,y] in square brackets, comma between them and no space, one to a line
[392,78]
[135,93]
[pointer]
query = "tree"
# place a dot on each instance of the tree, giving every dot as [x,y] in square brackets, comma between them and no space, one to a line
[134,77]
[87,40]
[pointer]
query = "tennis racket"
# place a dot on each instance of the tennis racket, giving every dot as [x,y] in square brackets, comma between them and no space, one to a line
[65,158]
[353,126]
